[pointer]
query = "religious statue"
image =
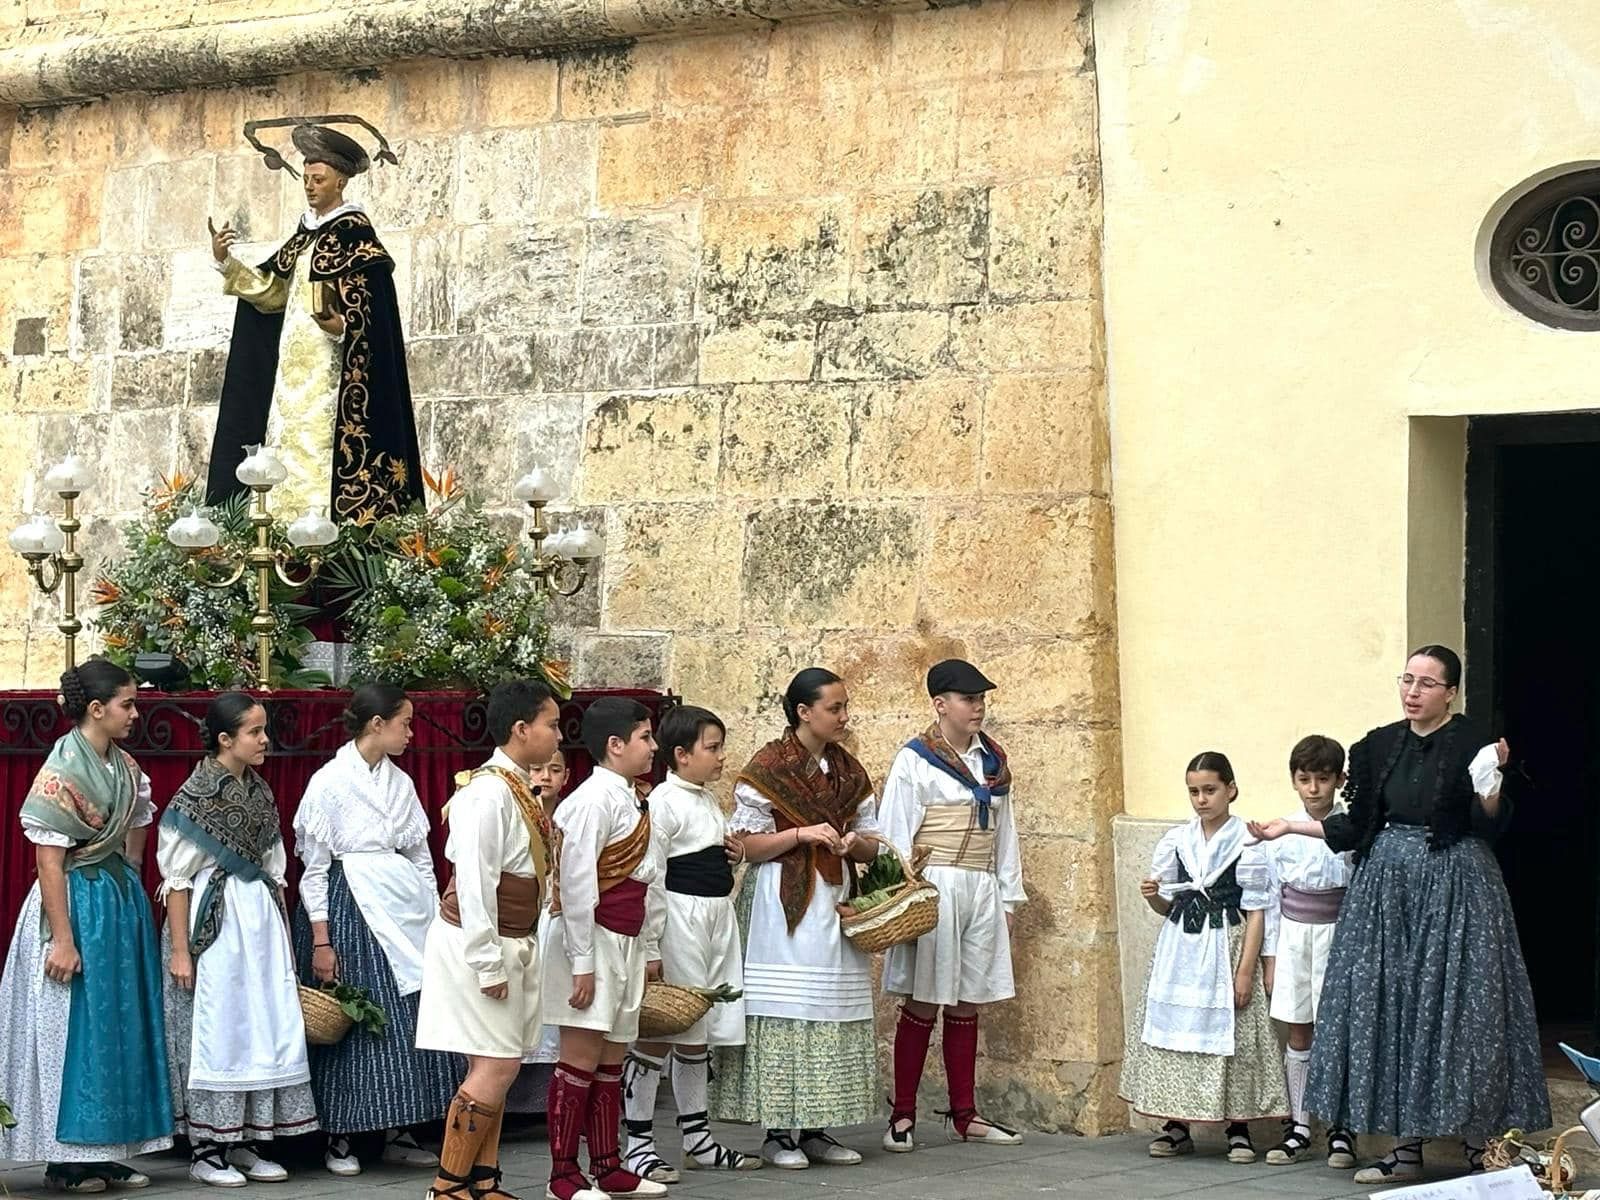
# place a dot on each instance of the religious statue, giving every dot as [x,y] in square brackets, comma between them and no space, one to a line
[317,364]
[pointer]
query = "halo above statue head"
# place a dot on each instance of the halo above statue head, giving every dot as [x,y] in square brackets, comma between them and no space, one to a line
[318,143]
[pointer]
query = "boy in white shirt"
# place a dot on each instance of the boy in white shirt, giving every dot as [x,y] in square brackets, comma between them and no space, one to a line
[949,795]
[480,965]
[691,939]
[594,974]
[1308,882]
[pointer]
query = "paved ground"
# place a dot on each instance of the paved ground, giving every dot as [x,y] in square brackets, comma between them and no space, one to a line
[1113,1168]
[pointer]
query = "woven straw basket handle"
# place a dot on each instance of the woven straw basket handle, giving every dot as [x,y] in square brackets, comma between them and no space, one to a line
[911,873]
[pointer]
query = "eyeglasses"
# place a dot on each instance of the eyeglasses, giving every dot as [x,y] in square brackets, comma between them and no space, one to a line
[1421,682]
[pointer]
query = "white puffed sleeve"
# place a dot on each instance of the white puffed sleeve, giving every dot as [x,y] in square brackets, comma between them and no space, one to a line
[144,808]
[1254,879]
[866,818]
[40,836]
[179,861]
[752,812]
[1164,863]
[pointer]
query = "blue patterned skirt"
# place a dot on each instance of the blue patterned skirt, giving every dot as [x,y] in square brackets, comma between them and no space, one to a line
[364,1081]
[1426,1025]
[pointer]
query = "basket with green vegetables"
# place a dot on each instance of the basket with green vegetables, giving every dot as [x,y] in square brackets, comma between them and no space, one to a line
[358,1006]
[881,877]
[892,904]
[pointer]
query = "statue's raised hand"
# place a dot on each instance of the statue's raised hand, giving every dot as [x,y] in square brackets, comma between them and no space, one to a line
[222,240]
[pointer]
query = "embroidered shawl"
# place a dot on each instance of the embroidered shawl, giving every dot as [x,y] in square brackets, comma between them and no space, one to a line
[74,795]
[350,806]
[935,749]
[802,793]
[233,820]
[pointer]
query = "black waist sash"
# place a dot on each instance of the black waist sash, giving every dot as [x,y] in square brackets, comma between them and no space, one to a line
[703,873]
[1194,912]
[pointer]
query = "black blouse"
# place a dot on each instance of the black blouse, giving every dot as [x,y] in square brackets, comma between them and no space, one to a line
[1408,792]
[1440,796]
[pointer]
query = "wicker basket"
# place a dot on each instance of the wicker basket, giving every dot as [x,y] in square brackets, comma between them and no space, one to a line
[668,1010]
[911,911]
[326,1020]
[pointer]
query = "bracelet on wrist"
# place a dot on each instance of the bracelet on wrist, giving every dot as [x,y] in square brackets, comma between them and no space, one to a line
[322,945]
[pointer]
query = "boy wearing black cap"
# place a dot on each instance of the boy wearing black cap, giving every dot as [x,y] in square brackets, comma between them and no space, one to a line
[948,796]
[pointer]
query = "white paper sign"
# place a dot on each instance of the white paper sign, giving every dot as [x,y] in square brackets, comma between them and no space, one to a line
[1516,1183]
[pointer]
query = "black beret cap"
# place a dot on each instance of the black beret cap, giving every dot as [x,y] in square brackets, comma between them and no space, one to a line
[957,675]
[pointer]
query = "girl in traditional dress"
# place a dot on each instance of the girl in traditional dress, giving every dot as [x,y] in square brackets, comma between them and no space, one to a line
[1201,1046]
[1426,1025]
[83,1054]
[367,897]
[238,1041]
[691,939]
[803,805]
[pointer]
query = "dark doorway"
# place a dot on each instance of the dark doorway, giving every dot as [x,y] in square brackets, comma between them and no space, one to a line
[1533,644]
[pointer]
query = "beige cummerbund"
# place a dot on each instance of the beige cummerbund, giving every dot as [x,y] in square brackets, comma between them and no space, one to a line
[951,836]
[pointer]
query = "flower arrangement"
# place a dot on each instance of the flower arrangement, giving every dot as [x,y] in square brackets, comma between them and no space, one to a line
[439,596]
[149,602]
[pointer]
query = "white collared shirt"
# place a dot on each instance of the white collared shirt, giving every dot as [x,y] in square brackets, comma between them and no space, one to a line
[601,810]
[915,785]
[488,838]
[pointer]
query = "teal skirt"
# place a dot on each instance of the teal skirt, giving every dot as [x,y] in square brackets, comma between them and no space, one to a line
[114,1079]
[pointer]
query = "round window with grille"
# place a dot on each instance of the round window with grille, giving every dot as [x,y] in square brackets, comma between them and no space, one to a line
[1544,257]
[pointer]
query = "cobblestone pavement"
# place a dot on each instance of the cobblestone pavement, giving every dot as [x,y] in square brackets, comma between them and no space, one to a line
[1109,1168]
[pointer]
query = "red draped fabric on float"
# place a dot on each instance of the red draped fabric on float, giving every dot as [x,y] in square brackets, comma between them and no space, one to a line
[450,735]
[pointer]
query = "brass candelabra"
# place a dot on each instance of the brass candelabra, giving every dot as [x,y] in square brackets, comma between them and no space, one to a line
[560,561]
[261,471]
[51,547]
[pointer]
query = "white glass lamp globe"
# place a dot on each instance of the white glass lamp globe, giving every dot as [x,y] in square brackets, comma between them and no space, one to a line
[37,537]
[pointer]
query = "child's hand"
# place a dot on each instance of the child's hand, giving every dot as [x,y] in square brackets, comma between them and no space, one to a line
[1150,888]
[1243,985]
[733,847]
[582,992]
[1269,974]
[652,970]
[498,991]
[846,844]
[1502,751]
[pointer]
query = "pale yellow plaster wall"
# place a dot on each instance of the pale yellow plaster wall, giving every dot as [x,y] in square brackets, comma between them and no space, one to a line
[1293,199]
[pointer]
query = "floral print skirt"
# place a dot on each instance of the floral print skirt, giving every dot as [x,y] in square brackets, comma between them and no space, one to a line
[1185,1086]
[1426,1026]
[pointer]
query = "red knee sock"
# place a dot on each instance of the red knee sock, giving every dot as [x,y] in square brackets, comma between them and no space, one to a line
[603,1131]
[961,1066]
[568,1109]
[911,1037]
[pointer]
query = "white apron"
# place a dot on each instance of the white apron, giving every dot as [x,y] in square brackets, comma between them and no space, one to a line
[398,907]
[249,1034]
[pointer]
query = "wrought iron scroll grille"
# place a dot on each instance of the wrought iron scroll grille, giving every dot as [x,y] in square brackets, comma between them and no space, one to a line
[1545,253]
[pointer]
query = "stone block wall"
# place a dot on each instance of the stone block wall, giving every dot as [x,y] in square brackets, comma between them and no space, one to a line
[808,316]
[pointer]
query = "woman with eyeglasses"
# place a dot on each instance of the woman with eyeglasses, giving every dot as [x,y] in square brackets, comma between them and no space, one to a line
[1426,1026]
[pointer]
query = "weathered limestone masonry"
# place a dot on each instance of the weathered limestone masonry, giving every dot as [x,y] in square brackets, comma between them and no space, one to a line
[810,308]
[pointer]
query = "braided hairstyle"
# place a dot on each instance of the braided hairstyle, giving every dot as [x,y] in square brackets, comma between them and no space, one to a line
[97,680]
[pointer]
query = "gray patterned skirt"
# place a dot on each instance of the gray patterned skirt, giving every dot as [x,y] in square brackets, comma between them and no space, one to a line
[1426,1026]
[368,1081]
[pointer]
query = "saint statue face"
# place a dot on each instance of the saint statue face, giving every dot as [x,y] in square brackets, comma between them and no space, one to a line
[324,187]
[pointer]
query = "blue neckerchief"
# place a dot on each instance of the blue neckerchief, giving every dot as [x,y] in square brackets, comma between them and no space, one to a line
[983,793]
